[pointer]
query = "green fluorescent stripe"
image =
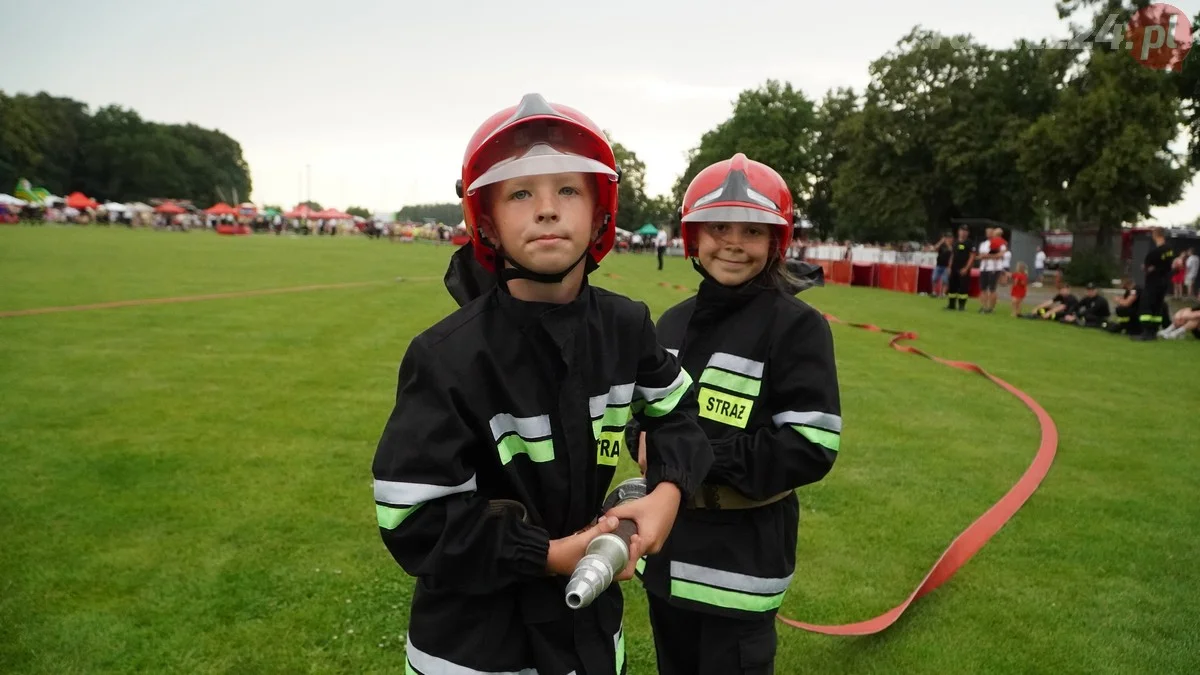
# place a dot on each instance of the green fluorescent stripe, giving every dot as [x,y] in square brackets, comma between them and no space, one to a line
[538,451]
[390,517]
[613,417]
[725,598]
[731,381]
[666,405]
[640,566]
[621,651]
[820,436]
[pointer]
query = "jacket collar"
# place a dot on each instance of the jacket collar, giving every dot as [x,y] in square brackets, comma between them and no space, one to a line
[715,300]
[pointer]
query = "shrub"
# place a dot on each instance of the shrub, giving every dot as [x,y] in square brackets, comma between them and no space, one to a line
[1090,266]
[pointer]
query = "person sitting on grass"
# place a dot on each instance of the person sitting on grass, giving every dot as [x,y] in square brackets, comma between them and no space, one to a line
[1185,320]
[1126,319]
[1092,310]
[1062,304]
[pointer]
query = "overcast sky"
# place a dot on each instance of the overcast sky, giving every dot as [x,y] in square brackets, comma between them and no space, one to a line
[379,98]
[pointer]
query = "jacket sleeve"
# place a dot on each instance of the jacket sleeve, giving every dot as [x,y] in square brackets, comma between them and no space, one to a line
[664,406]
[431,517]
[801,444]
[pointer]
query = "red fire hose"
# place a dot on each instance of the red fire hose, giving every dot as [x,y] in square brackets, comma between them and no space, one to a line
[974,537]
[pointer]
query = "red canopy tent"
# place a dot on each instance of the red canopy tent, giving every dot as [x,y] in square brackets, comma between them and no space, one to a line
[221,209]
[78,200]
[332,214]
[302,211]
[170,208]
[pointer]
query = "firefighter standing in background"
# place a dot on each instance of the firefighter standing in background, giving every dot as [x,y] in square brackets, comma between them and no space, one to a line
[962,256]
[1153,313]
[769,403]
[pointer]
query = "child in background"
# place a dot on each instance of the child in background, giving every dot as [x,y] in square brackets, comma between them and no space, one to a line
[1020,284]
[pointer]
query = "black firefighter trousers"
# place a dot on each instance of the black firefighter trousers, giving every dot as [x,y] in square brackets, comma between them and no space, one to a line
[960,287]
[1154,313]
[693,643]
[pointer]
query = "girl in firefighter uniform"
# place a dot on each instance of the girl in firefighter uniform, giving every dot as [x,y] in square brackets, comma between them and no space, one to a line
[768,400]
[510,414]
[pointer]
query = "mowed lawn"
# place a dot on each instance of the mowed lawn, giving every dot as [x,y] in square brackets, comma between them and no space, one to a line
[187,488]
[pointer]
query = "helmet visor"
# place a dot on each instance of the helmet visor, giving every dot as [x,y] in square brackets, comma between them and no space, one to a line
[539,159]
[733,213]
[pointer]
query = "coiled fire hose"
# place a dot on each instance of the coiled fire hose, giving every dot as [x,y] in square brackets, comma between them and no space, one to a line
[970,540]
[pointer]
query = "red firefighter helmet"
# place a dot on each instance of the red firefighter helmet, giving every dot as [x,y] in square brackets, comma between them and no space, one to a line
[531,138]
[737,190]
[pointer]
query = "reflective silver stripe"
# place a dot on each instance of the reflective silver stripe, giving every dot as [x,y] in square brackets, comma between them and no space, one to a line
[619,648]
[674,352]
[408,494]
[731,580]
[652,394]
[525,427]
[737,364]
[820,420]
[432,665]
[618,395]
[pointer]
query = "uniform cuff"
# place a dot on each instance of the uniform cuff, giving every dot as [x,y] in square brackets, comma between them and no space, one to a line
[671,474]
[531,546]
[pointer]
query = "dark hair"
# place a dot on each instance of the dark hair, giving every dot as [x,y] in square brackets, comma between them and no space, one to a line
[776,272]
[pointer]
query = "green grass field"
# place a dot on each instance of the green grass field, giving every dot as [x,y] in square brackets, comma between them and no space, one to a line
[187,487]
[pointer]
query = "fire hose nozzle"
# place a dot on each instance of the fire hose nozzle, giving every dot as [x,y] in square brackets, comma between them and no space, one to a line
[607,554]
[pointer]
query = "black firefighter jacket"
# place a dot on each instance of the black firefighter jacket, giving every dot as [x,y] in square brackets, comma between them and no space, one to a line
[768,395]
[506,432]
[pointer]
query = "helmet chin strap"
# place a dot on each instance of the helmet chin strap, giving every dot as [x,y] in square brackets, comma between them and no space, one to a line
[519,271]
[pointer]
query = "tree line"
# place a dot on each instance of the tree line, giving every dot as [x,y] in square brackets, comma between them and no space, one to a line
[1078,136]
[113,154]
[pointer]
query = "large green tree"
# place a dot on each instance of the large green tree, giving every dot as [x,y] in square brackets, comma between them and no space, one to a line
[1103,157]
[829,153]
[773,124]
[1098,16]
[631,192]
[114,154]
[939,134]
[447,213]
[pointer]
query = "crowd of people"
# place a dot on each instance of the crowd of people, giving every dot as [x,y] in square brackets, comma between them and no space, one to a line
[1141,312]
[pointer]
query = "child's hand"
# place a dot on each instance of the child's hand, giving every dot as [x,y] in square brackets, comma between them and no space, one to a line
[564,554]
[654,514]
[642,452]
[637,549]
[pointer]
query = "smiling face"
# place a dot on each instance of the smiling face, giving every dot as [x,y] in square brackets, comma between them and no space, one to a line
[544,222]
[734,253]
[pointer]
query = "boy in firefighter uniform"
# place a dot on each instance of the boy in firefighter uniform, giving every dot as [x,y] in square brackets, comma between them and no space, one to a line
[510,412]
[769,401]
[962,257]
